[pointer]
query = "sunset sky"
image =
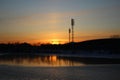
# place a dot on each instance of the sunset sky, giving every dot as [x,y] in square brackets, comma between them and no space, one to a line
[48,21]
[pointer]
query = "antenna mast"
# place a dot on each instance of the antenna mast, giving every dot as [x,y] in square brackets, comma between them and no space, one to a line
[72,25]
[69,34]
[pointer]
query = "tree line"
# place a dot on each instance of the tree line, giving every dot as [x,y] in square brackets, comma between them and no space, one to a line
[112,45]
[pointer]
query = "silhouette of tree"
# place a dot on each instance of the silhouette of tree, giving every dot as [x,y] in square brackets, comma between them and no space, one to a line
[115,36]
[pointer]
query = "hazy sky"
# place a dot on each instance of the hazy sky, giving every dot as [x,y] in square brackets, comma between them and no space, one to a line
[48,20]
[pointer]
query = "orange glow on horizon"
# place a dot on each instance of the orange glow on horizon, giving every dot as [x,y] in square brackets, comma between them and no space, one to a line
[55,41]
[50,38]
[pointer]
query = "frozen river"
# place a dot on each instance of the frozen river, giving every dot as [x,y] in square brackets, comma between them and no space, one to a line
[55,68]
[91,72]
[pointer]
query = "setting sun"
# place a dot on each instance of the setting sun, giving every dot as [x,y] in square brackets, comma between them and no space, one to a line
[55,41]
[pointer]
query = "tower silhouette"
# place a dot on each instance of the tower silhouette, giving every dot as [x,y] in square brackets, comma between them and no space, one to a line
[69,34]
[72,25]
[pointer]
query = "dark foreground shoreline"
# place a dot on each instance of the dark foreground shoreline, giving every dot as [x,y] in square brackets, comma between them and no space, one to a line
[92,60]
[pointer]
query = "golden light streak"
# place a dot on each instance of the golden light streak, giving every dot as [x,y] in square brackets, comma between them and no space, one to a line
[53,58]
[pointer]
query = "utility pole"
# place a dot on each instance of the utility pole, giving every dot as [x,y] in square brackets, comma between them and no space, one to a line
[69,34]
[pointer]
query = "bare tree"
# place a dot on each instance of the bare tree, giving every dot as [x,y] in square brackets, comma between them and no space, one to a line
[115,36]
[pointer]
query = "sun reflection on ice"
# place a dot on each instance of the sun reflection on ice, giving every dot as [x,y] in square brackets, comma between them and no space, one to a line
[53,58]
